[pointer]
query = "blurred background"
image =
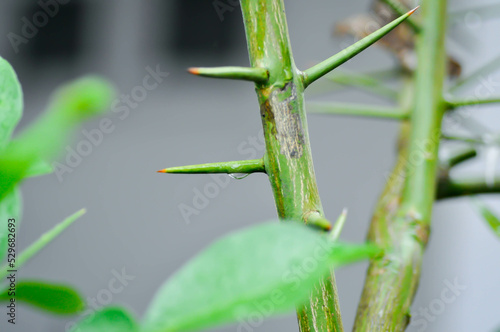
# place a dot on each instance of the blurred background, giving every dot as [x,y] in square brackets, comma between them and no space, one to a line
[146,224]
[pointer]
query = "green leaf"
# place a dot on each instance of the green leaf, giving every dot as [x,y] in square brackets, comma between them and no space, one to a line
[267,269]
[111,319]
[11,101]
[39,244]
[10,207]
[58,299]
[39,168]
[492,220]
[71,105]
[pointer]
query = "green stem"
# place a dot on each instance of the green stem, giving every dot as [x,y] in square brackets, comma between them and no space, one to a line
[402,218]
[288,160]
[39,244]
[458,156]
[420,186]
[472,140]
[388,289]
[450,187]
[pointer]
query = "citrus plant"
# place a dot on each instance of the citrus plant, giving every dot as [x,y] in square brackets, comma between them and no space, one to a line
[277,267]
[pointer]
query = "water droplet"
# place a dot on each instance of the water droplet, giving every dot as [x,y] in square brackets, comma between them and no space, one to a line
[239,176]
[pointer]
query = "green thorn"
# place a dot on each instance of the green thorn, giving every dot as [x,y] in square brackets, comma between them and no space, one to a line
[45,239]
[400,10]
[339,225]
[464,139]
[258,75]
[358,110]
[243,166]
[454,103]
[315,219]
[323,68]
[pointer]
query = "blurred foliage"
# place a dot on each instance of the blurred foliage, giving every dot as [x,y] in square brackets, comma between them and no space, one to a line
[492,219]
[30,154]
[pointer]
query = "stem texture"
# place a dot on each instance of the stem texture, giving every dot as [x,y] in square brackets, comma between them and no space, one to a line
[288,160]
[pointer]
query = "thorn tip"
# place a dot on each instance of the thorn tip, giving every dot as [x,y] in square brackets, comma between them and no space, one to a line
[194,70]
[413,10]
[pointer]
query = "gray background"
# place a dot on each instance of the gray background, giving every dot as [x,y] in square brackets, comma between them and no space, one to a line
[133,218]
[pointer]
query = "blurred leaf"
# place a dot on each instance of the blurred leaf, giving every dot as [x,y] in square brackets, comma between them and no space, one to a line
[41,167]
[71,104]
[492,219]
[11,101]
[108,320]
[58,299]
[10,207]
[39,244]
[267,269]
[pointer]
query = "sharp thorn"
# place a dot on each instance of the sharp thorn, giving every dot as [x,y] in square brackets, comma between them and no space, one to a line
[243,166]
[254,74]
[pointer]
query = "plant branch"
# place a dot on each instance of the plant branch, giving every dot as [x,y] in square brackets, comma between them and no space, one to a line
[390,283]
[43,241]
[472,140]
[457,157]
[312,74]
[454,102]
[288,160]
[358,110]
[402,219]
[454,186]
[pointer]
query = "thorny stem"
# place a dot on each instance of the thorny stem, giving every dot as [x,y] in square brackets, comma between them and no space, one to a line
[288,160]
[402,218]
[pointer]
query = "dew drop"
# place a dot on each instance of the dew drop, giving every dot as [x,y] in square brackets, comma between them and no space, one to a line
[238,176]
